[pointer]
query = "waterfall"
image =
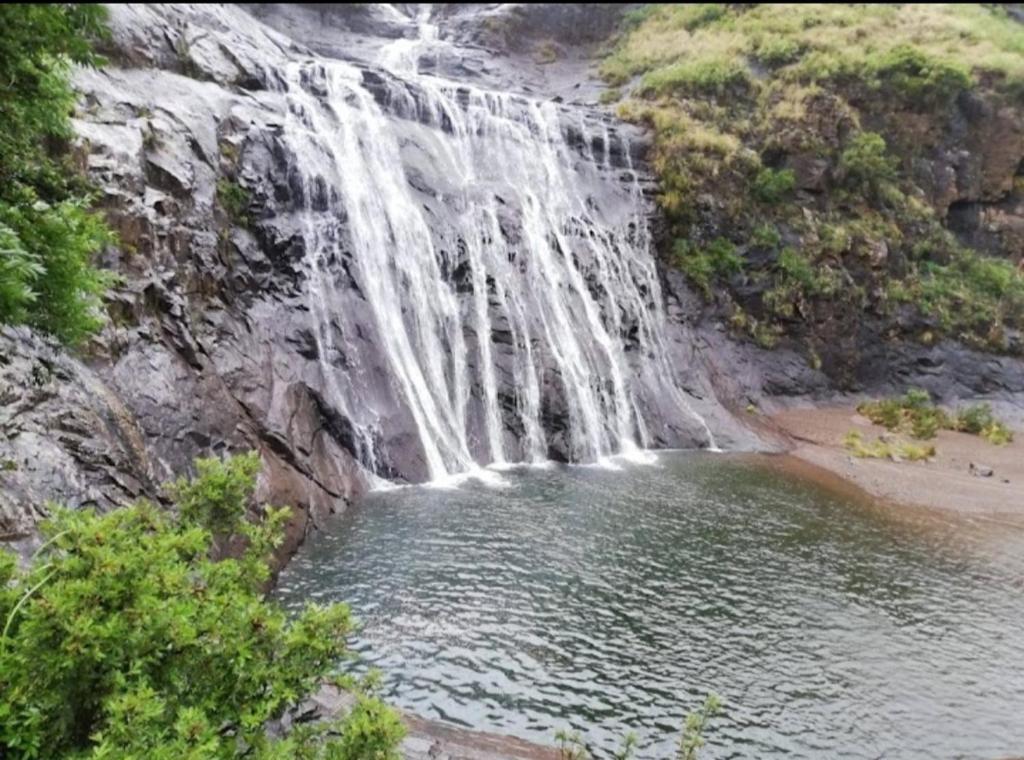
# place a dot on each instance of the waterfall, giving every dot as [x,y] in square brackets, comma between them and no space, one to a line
[489,250]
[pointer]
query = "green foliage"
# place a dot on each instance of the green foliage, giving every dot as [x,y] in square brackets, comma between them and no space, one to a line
[47,279]
[695,725]
[126,638]
[997,434]
[911,73]
[772,185]
[881,449]
[912,413]
[973,296]
[546,51]
[703,265]
[722,85]
[767,236]
[775,51]
[866,164]
[796,279]
[915,414]
[697,15]
[978,419]
[47,236]
[572,746]
[697,78]
[217,498]
[234,199]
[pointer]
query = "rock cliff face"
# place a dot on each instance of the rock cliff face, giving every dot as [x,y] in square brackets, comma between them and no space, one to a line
[225,335]
[217,341]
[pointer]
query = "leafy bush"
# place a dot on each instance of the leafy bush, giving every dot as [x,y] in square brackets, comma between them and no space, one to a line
[914,413]
[703,265]
[997,434]
[775,50]
[798,274]
[772,185]
[972,294]
[865,163]
[47,236]
[689,78]
[914,74]
[979,420]
[127,638]
[234,199]
[46,276]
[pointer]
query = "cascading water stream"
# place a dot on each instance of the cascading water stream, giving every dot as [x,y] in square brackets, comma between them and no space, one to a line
[501,286]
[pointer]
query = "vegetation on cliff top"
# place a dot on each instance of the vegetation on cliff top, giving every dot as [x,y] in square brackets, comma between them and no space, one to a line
[133,634]
[789,144]
[48,237]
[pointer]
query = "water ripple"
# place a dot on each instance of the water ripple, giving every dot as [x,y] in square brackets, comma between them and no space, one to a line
[610,601]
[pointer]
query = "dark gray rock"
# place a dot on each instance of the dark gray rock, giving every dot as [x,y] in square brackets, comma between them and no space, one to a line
[64,437]
[980,470]
[211,348]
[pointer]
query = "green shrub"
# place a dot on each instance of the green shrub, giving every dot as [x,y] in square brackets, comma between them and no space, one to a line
[767,236]
[973,419]
[690,78]
[698,15]
[48,238]
[234,199]
[997,434]
[972,295]
[703,265]
[914,413]
[865,163]
[979,420]
[914,74]
[126,637]
[772,185]
[776,50]
[47,279]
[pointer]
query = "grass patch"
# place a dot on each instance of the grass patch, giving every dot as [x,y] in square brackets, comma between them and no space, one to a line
[921,50]
[915,414]
[711,77]
[747,103]
[880,449]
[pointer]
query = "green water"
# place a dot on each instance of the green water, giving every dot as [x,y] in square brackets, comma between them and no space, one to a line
[614,600]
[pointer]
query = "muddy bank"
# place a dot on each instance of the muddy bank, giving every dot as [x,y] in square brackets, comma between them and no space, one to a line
[945,483]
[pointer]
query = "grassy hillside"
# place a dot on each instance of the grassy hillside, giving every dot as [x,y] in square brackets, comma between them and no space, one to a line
[809,157]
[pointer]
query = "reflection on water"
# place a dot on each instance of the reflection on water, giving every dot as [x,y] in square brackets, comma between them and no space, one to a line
[610,601]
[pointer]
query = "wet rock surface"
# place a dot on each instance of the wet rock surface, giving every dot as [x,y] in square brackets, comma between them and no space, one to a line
[210,346]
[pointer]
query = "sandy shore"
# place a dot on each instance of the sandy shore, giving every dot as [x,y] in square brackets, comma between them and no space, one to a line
[942,483]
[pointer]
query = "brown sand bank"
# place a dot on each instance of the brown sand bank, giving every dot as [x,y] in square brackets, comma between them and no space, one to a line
[943,483]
